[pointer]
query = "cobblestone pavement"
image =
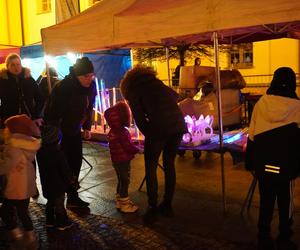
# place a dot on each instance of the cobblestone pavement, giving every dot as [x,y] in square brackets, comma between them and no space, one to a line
[199,221]
[98,232]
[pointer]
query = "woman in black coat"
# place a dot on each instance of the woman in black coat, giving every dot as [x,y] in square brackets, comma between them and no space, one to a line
[157,115]
[19,93]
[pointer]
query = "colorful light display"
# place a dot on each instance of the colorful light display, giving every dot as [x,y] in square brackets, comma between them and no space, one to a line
[199,130]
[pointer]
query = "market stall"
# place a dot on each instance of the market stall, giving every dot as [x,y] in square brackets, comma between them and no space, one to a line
[135,23]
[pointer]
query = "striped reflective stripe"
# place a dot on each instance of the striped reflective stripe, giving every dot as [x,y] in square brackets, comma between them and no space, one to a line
[272,169]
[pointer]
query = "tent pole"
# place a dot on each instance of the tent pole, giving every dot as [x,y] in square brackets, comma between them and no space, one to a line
[168,66]
[217,74]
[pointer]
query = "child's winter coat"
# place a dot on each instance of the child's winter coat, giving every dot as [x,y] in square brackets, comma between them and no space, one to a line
[16,164]
[120,144]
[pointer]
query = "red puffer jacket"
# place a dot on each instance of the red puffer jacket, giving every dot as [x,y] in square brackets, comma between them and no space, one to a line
[121,147]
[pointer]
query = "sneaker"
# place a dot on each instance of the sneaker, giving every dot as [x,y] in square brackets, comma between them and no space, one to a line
[150,216]
[127,206]
[77,202]
[165,210]
[63,225]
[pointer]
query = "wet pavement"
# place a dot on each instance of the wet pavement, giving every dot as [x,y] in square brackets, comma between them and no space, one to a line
[199,221]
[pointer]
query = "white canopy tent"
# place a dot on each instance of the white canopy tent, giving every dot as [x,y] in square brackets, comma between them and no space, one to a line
[134,23]
[131,23]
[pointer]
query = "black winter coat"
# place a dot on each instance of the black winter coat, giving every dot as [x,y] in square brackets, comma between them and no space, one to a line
[19,95]
[70,106]
[154,107]
[275,152]
[55,174]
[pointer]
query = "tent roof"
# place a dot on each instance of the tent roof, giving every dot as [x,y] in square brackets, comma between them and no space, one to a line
[132,23]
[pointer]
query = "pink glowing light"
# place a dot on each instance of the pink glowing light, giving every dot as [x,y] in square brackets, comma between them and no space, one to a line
[199,130]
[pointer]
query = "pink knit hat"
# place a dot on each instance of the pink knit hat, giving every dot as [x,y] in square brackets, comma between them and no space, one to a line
[22,124]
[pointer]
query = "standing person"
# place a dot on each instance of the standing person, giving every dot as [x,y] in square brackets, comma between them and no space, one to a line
[70,108]
[272,152]
[43,83]
[157,115]
[16,164]
[122,151]
[19,93]
[56,178]
[176,76]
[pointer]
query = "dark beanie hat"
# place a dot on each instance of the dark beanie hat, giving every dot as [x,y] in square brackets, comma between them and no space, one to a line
[283,83]
[83,66]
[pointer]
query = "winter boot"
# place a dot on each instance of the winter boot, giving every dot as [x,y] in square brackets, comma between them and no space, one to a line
[127,206]
[117,200]
[31,240]
[63,222]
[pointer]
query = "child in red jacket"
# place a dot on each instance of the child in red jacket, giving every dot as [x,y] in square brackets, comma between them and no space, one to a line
[122,152]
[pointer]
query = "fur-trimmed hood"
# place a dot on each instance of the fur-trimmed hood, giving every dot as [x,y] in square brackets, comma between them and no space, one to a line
[26,73]
[28,144]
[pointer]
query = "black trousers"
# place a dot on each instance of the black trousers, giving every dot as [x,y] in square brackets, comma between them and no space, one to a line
[55,209]
[72,148]
[13,209]
[123,174]
[153,148]
[272,188]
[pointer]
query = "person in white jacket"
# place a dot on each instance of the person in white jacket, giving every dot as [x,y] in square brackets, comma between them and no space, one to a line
[273,154]
[21,142]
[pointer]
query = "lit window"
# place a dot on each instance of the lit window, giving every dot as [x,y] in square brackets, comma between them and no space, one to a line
[241,55]
[43,6]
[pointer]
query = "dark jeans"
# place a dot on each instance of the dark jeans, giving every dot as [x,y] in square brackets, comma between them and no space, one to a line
[152,150]
[123,174]
[72,148]
[13,208]
[270,189]
[55,208]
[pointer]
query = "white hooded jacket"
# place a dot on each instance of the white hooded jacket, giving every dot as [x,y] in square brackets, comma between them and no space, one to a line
[272,111]
[16,164]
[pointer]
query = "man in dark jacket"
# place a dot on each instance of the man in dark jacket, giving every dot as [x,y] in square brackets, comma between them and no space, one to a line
[273,153]
[70,108]
[157,115]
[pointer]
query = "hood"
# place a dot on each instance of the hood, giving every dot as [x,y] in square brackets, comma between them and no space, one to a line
[118,116]
[26,73]
[24,142]
[29,145]
[276,109]
[272,111]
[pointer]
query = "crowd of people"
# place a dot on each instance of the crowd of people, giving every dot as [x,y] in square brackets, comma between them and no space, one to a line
[50,121]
